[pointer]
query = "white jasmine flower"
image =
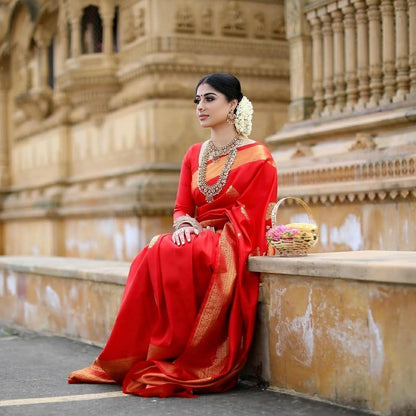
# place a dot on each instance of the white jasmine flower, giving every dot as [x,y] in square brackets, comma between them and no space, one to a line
[244,114]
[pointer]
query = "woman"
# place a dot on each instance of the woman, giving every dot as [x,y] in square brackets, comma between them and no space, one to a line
[186,319]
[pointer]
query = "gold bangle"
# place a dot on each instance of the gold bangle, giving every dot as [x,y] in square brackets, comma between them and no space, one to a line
[186,219]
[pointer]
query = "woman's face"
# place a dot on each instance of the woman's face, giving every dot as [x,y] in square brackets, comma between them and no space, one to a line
[212,106]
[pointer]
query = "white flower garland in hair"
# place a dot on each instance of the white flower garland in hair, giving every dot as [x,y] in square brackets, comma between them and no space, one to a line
[244,114]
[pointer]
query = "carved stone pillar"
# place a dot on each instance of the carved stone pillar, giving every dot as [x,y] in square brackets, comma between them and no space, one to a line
[63,34]
[362,53]
[402,50]
[76,36]
[43,40]
[339,61]
[412,45]
[300,61]
[317,63]
[389,65]
[376,84]
[328,63]
[19,69]
[107,15]
[4,158]
[350,57]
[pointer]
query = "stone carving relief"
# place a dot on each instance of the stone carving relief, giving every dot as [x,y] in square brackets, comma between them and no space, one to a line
[235,23]
[33,96]
[293,17]
[139,22]
[279,27]
[128,27]
[302,150]
[35,105]
[185,20]
[134,24]
[259,29]
[358,171]
[363,141]
[207,26]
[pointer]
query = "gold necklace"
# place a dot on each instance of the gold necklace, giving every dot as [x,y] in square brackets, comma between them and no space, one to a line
[213,153]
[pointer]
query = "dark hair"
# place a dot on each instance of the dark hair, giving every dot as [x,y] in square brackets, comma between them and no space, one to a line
[227,84]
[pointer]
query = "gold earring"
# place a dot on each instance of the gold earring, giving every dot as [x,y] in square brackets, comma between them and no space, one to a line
[231,117]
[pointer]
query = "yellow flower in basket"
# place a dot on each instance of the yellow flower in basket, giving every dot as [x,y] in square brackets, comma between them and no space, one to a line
[308,231]
[292,239]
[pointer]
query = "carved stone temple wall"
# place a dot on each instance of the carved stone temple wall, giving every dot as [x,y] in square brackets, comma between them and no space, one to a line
[349,147]
[96,111]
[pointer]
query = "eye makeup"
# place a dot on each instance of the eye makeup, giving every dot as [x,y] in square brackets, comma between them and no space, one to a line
[209,96]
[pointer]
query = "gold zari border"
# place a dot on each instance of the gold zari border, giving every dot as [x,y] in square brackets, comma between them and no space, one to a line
[250,154]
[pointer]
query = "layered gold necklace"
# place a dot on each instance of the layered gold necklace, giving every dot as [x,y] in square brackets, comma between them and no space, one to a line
[213,153]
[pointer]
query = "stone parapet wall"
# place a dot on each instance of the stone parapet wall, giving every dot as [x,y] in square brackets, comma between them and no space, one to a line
[71,297]
[378,220]
[339,327]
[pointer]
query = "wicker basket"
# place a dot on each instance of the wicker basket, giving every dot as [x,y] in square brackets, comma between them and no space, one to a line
[293,239]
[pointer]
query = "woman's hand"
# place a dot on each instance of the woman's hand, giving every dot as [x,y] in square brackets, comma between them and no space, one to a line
[183,234]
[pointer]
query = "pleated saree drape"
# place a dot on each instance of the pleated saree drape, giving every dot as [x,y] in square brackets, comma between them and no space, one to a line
[187,314]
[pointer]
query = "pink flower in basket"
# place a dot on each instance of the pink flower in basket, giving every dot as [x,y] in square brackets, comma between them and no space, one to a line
[281,231]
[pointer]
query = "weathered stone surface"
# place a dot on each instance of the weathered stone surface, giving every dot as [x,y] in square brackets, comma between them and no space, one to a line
[66,296]
[117,113]
[340,327]
[352,156]
[337,326]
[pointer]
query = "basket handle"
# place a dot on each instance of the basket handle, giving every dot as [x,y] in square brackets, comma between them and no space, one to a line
[298,200]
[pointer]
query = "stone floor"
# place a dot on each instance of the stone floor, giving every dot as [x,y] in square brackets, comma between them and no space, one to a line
[34,369]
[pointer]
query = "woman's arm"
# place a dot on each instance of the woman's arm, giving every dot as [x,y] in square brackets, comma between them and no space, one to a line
[184,203]
[183,214]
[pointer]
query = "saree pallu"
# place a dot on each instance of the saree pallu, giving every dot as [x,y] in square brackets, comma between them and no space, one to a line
[187,314]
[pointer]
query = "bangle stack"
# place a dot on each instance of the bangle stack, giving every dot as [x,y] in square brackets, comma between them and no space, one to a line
[188,220]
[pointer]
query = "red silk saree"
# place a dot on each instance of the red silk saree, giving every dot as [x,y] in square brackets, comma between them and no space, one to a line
[187,314]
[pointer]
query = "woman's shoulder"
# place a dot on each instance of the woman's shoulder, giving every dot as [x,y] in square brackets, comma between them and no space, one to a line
[251,143]
[192,152]
[194,148]
[197,146]
[257,150]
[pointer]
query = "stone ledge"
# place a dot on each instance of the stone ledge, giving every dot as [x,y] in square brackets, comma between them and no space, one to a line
[74,297]
[376,118]
[99,271]
[397,267]
[339,326]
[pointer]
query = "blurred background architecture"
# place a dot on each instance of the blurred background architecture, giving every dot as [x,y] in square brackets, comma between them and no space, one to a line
[96,113]
[349,146]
